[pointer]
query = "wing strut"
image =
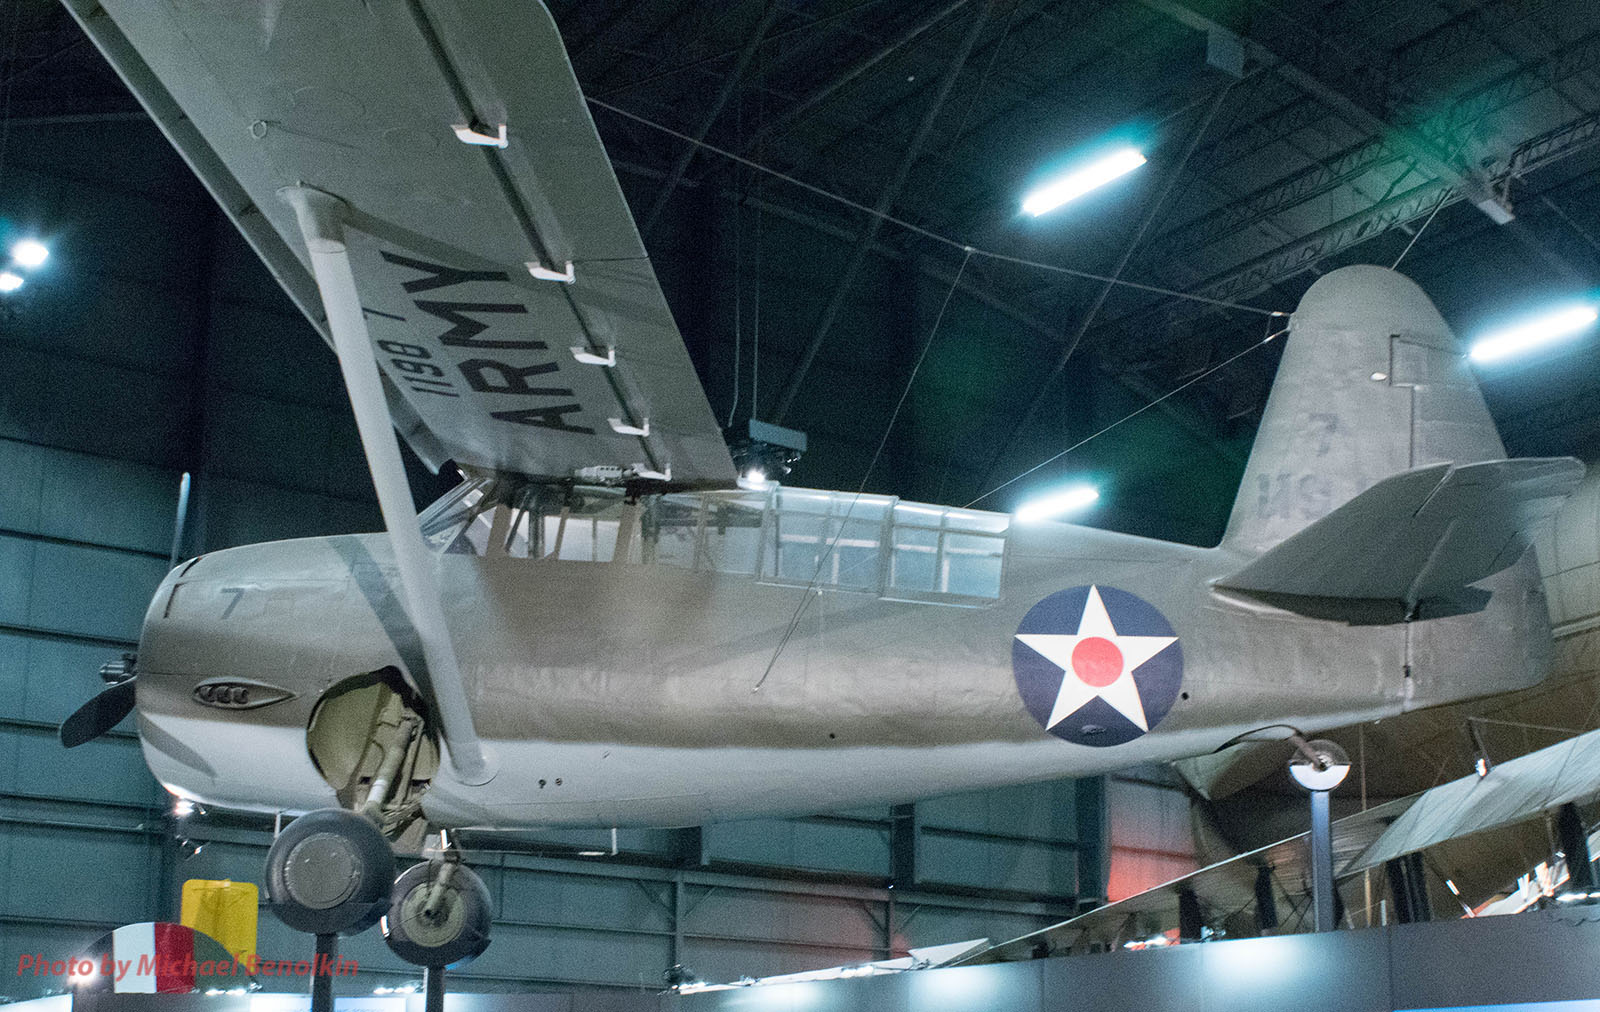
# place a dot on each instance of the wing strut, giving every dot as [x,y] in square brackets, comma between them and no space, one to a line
[320,216]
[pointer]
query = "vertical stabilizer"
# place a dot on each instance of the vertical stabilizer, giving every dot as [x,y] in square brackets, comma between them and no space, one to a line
[1372,383]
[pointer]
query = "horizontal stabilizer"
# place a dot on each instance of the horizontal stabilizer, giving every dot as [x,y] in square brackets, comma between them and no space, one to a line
[1425,533]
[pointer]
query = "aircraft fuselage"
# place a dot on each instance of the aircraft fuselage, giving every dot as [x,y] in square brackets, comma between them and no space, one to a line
[628,694]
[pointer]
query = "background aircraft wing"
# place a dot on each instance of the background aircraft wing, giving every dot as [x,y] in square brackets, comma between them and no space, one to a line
[1511,791]
[483,362]
[1224,890]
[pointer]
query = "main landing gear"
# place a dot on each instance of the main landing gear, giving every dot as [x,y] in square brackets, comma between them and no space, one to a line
[332,871]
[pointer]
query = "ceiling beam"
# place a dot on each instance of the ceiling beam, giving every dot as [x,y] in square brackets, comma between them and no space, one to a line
[730,84]
[1359,113]
[1039,333]
[798,112]
[891,192]
[1280,263]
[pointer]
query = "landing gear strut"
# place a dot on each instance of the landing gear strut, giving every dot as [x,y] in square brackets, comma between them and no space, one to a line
[332,871]
[439,913]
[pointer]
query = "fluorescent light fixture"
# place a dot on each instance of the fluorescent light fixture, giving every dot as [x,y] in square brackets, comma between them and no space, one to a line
[1534,334]
[1066,501]
[1081,180]
[10,281]
[30,253]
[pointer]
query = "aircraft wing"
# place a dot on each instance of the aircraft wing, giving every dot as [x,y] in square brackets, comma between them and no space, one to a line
[483,362]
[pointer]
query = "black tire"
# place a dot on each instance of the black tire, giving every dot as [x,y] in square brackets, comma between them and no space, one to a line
[459,933]
[330,873]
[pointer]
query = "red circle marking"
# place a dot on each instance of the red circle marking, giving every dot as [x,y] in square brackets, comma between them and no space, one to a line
[1097,662]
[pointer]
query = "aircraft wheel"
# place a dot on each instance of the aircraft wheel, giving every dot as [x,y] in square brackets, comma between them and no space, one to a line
[329,873]
[453,935]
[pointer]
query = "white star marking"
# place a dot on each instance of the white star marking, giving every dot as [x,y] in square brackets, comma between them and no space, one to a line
[1122,693]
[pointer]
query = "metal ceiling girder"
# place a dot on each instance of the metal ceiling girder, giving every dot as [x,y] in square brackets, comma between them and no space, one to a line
[730,85]
[1359,114]
[1554,144]
[798,112]
[1312,181]
[1578,57]
[1281,263]
[886,200]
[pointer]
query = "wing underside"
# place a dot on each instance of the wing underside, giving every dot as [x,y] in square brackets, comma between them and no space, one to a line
[575,369]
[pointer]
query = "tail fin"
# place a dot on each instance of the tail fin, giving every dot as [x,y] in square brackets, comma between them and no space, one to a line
[1371,384]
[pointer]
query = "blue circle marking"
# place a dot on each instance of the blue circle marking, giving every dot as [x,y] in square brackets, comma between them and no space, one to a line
[1096,665]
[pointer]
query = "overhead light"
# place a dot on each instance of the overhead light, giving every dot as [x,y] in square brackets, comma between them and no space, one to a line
[754,480]
[1081,180]
[1535,333]
[1050,506]
[182,808]
[10,281]
[30,253]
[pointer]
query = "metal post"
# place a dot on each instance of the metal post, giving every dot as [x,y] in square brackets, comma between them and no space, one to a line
[1266,901]
[327,953]
[181,523]
[1575,845]
[677,920]
[1321,861]
[1093,835]
[433,989]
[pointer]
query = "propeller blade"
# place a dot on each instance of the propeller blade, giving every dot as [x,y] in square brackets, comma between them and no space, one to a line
[99,714]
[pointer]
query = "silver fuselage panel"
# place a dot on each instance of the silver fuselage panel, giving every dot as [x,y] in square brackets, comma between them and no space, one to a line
[647,693]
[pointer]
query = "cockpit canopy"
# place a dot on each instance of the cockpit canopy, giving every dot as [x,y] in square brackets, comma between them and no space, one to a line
[869,544]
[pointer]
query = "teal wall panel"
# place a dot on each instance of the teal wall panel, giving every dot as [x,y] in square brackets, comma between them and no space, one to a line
[800,844]
[107,770]
[43,679]
[91,407]
[57,873]
[91,592]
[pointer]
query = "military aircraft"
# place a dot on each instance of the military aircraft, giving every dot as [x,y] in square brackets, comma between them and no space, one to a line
[600,627]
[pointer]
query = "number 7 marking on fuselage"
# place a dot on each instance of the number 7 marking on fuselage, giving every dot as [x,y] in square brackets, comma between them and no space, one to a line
[238,593]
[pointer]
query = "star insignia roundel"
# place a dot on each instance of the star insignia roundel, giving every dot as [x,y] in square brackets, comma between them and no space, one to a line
[1096,665]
